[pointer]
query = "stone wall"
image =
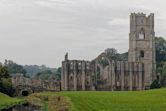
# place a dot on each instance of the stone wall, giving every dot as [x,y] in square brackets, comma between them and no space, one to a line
[117,75]
[21,83]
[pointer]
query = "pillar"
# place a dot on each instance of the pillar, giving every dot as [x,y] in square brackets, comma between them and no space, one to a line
[66,76]
[131,76]
[75,75]
[122,75]
[83,75]
[113,75]
[140,76]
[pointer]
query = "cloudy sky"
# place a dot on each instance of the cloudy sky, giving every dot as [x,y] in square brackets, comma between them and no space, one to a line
[42,31]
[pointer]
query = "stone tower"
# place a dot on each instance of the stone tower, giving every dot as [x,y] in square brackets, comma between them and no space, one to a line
[142,45]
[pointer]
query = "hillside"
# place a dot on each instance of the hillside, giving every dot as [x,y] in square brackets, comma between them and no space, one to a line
[6,101]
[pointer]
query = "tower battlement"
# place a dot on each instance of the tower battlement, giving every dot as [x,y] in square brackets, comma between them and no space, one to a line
[142,15]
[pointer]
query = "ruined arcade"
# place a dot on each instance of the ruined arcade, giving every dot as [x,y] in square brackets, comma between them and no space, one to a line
[105,73]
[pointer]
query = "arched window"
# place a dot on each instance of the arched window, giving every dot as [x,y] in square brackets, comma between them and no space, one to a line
[142,34]
[141,54]
[71,78]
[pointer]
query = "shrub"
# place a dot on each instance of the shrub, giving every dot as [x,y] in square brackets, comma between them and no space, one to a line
[156,84]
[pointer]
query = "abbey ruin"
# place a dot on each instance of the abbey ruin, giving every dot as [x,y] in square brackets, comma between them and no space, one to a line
[104,73]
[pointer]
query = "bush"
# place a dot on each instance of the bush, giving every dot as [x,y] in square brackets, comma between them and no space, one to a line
[156,84]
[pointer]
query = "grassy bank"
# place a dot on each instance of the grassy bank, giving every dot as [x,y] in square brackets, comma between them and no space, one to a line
[50,101]
[6,101]
[152,100]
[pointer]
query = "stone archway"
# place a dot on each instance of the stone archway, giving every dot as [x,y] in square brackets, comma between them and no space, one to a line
[25,93]
[24,90]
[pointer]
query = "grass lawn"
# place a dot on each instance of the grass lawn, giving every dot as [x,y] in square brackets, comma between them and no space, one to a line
[6,101]
[152,100]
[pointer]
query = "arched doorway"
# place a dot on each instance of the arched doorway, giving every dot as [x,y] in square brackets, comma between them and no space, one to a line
[25,93]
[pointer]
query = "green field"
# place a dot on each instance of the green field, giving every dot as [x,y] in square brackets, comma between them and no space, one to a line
[152,100]
[6,101]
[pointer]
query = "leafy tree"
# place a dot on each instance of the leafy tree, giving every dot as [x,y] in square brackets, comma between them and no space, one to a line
[160,44]
[114,55]
[58,73]
[5,81]
[14,68]
[3,72]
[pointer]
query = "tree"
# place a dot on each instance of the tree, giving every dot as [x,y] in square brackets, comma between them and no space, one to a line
[14,68]
[58,73]
[160,45]
[5,81]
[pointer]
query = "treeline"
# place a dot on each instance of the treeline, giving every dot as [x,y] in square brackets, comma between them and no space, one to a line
[31,70]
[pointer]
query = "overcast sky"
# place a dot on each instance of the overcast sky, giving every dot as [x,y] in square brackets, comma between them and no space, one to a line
[42,31]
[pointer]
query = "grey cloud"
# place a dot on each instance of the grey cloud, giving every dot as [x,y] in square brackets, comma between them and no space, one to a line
[42,31]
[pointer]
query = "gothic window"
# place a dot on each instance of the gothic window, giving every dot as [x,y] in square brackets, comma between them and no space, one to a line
[71,65]
[79,65]
[142,34]
[71,78]
[87,65]
[142,54]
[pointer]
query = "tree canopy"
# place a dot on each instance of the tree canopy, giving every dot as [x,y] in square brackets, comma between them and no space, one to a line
[14,68]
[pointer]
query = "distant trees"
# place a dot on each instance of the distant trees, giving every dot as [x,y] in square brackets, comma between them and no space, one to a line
[46,74]
[34,69]
[14,68]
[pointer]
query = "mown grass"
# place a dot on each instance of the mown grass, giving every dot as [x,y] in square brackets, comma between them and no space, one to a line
[6,101]
[152,100]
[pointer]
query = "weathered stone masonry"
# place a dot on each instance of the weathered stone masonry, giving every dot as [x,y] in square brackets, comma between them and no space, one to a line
[103,73]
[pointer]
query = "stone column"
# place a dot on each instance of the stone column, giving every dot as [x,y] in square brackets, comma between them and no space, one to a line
[75,76]
[140,76]
[122,75]
[110,72]
[118,75]
[83,75]
[131,76]
[126,76]
[136,75]
[66,76]
[113,75]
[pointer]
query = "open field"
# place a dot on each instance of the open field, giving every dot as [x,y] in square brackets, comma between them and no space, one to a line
[6,101]
[152,100]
